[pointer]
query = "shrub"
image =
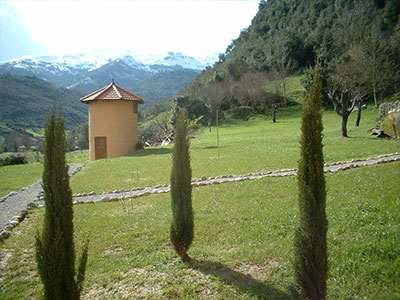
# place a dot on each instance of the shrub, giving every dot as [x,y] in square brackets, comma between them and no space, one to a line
[241,112]
[13,159]
[181,232]
[311,261]
[55,251]
[139,145]
[151,133]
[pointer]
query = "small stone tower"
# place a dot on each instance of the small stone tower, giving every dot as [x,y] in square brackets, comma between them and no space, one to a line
[113,121]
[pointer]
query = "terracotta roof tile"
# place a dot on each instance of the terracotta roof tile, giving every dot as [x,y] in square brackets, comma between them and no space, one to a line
[112,92]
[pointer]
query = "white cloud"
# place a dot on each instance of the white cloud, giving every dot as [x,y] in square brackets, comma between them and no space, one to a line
[192,27]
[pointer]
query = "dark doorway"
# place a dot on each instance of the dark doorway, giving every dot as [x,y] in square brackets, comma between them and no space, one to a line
[100,147]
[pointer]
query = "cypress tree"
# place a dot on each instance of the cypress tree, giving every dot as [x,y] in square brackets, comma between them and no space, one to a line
[181,233]
[311,261]
[55,252]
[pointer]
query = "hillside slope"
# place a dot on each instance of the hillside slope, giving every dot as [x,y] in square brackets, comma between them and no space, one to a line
[287,36]
[298,31]
[26,101]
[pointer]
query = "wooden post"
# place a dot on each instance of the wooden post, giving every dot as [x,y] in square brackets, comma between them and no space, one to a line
[274,113]
[217,133]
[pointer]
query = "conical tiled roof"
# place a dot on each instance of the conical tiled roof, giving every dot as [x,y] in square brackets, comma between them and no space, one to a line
[112,92]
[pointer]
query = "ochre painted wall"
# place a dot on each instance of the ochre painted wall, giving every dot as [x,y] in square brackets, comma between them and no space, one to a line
[116,120]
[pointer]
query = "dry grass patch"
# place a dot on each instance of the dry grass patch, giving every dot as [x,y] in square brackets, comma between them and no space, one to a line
[258,271]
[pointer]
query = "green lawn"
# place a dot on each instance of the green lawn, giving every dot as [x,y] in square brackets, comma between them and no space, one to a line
[294,88]
[13,178]
[257,145]
[243,243]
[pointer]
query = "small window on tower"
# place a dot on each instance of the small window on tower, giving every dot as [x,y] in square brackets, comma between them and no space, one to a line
[134,108]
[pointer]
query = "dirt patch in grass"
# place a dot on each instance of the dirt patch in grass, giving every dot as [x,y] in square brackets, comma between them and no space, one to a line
[259,272]
[125,290]
[4,257]
[113,251]
[137,283]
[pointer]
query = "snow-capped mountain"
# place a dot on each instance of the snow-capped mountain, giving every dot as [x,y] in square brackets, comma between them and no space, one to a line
[97,58]
[87,72]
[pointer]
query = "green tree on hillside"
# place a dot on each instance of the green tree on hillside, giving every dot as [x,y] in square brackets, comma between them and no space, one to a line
[311,259]
[181,232]
[285,36]
[55,250]
[11,142]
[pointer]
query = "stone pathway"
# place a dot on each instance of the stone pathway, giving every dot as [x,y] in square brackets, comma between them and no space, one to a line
[15,204]
[121,194]
[13,208]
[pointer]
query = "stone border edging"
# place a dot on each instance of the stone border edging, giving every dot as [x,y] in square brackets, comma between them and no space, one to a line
[159,189]
[119,195]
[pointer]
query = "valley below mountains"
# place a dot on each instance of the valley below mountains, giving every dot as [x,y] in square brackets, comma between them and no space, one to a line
[25,101]
[89,72]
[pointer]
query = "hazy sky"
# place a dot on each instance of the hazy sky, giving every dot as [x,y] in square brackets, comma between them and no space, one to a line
[193,27]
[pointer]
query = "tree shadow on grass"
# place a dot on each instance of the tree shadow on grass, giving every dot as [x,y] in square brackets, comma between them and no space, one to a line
[150,151]
[210,147]
[244,282]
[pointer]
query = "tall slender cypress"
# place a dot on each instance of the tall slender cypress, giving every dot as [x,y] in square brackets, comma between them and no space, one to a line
[311,260]
[181,232]
[55,251]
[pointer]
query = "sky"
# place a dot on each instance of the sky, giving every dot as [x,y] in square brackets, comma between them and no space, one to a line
[193,27]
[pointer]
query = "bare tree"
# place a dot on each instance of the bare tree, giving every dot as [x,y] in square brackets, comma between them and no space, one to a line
[213,95]
[253,83]
[379,68]
[346,88]
[283,62]
[361,28]
[286,66]
[163,122]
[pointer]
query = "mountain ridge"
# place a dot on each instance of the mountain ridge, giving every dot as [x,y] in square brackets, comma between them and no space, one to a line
[87,72]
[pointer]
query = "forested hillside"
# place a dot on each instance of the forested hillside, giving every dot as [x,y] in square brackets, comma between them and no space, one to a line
[356,42]
[26,102]
[296,32]
[164,85]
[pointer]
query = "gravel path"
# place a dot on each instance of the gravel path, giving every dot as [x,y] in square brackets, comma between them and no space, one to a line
[16,202]
[13,207]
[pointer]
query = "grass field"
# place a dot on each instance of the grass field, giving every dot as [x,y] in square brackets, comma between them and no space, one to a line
[13,178]
[242,247]
[257,145]
[243,243]
[294,88]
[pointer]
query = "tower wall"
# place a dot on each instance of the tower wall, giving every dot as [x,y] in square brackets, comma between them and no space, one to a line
[117,121]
